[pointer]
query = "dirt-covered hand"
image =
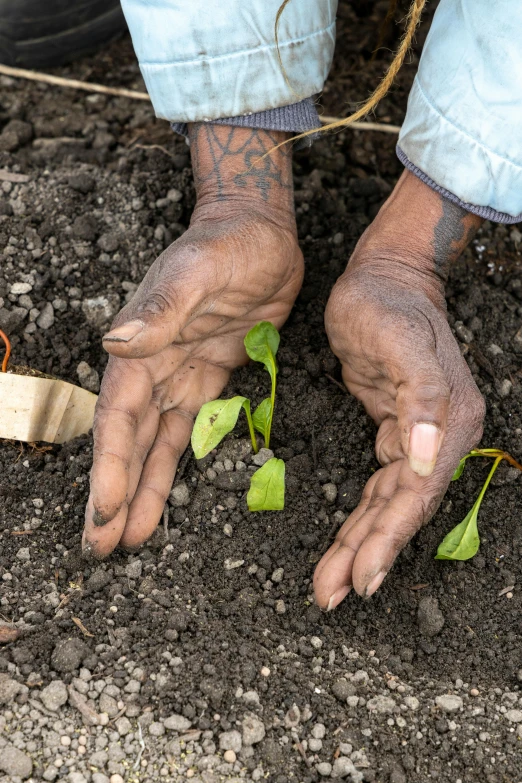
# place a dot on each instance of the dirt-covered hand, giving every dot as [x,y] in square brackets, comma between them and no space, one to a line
[174,345]
[386,321]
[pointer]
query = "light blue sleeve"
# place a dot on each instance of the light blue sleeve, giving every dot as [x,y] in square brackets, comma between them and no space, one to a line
[463,127]
[207,59]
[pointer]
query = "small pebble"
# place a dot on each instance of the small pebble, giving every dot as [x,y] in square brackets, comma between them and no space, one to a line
[449,703]
[324,769]
[262,456]
[504,388]
[180,495]
[330,492]
[464,334]
[229,756]
[231,563]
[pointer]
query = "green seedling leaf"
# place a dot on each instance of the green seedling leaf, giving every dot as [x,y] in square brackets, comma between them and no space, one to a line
[267,487]
[460,469]
[261,344]
[262,417]
[463,541]
[215,420]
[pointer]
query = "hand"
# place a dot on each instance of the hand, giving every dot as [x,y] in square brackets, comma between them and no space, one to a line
[174,345]
[386,321]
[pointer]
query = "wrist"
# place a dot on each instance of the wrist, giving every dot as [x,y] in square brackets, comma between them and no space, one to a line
[239,169]
[417,231]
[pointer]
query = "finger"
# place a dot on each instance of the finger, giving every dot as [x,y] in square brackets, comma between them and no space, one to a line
[333,574]
[338,571]
[386,533]
[124,398]
[145,437]
[401,503]
[157,477]
[155,317]
[101,541]
[388,446]
[423,399]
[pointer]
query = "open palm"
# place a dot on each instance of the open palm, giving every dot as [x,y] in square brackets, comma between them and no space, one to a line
[172,349]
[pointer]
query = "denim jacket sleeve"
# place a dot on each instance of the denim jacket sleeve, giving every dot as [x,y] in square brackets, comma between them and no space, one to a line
[208,59]
[464,120]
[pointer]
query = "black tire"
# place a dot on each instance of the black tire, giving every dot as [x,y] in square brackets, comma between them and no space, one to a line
[36,34]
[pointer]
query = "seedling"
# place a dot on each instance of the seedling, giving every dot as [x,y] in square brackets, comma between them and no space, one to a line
[462,543]
[219,417]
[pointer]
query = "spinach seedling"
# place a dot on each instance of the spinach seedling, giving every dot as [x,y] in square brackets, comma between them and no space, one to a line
[462,543]
[219,417]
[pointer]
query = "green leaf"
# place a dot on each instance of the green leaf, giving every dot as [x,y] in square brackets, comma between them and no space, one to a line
[460,469]
[262,417]
[261,344]
[463,541]
[267,487]
[215,420]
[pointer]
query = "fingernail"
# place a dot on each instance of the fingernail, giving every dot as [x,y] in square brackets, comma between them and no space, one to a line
[424,448]
[374,584]
[337,597]
[125,333]
[98,520]
[87,549]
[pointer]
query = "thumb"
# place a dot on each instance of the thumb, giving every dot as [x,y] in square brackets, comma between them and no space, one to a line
[422,411]
[147,326]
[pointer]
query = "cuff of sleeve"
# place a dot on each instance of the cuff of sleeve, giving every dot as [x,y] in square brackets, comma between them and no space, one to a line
[488,213]
[296,118]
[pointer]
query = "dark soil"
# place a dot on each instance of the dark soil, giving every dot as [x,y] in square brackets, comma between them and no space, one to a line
[92,216]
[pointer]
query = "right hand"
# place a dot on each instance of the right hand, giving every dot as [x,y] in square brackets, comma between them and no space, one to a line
[190,315]
[173,348]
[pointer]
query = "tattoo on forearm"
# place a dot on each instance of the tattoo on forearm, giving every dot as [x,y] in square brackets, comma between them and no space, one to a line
[228,160]
[454,231]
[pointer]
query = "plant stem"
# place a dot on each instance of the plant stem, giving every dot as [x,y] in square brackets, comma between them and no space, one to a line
[5,338]
[496,453]
[272,404]
[246,406]
[478,501]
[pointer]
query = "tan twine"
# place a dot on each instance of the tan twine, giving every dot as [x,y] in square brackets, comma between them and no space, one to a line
[413,18]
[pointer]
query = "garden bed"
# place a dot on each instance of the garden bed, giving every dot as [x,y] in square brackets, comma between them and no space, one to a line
[191,625]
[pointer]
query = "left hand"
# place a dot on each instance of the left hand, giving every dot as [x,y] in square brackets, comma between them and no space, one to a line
[386,321]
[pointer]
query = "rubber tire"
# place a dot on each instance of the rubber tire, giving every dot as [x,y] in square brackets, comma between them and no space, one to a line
[36,34]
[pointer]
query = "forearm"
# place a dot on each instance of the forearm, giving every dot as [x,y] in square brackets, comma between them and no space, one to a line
[231,165]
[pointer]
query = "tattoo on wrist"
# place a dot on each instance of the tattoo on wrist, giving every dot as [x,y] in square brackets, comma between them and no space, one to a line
[453,232]
[228,161]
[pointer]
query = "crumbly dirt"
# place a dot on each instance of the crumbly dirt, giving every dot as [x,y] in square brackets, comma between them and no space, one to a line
[191,625]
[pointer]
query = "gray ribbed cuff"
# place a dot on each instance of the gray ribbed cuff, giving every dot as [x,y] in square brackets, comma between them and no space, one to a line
[296,118]
[484,212]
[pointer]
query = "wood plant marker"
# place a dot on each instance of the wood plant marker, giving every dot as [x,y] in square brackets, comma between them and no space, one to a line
[35,408]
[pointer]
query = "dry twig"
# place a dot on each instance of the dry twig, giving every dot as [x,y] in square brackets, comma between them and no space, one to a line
[60,81]
[122,92]
[81,626]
